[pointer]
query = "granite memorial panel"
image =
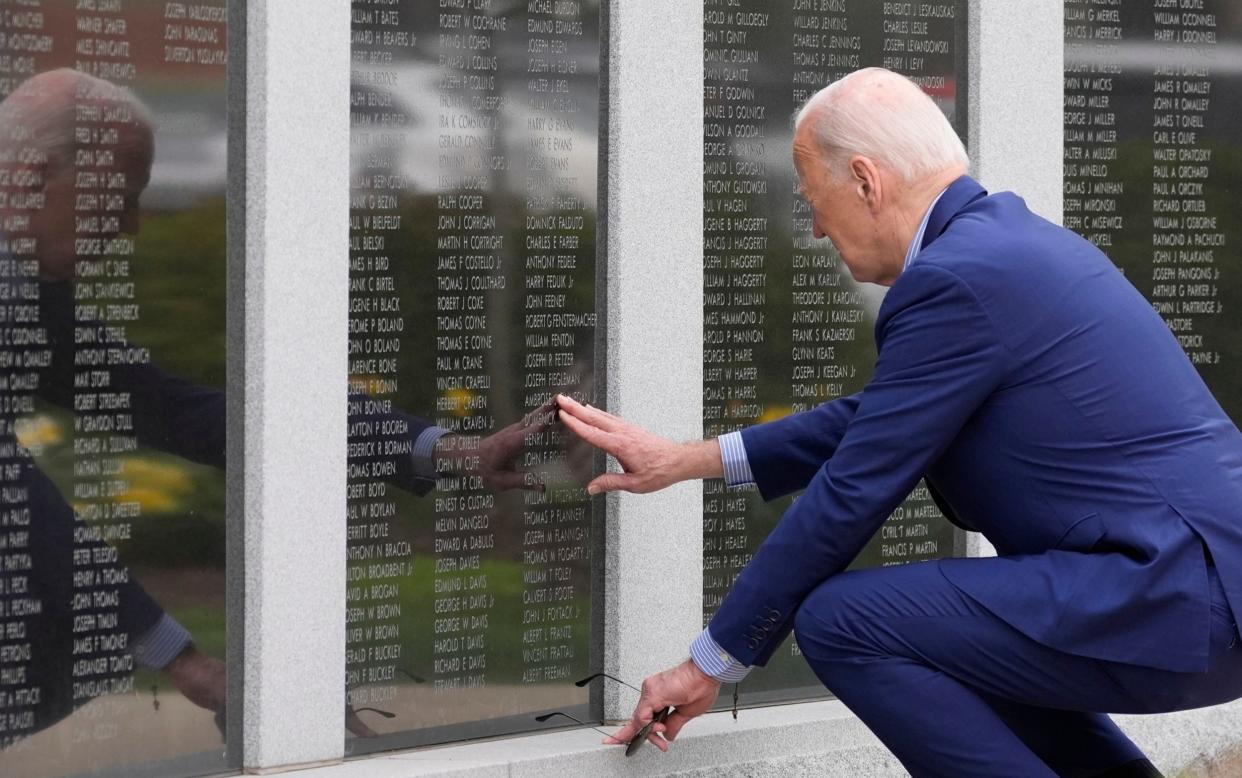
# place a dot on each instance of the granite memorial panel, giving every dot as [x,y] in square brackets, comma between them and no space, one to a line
[473,552]
[112,371]
[785,325]
[1153,163]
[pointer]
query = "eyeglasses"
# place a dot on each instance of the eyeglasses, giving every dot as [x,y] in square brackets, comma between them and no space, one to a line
[632,747]
[354,723]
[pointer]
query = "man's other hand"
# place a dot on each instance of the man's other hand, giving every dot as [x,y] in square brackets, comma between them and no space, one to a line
[495,457]
[500,451]
[686,688]
[201,678]
[650,462]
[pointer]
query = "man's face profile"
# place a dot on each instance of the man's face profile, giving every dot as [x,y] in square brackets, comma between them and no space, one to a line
[70,211]
[839,210]
[77,155]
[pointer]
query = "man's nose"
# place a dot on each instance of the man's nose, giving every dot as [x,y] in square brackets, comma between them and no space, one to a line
[817,232]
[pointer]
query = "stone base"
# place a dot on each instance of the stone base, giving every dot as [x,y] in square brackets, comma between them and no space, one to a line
[820,739]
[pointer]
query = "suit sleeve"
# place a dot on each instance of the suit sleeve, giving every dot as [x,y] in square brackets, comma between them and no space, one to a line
[940,357]
[784,455]
[382,444]
[169,413]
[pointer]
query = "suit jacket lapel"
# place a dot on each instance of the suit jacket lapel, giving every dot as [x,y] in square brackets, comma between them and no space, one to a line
[958,195]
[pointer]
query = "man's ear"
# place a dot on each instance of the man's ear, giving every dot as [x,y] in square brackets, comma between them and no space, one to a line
[865,177]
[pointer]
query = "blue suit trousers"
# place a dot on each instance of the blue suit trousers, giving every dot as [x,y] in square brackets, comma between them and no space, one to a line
[952,690]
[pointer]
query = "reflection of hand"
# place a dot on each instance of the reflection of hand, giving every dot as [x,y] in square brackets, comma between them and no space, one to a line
[685,688]
[650,461]
[203,681]
[494,458]
[200,678]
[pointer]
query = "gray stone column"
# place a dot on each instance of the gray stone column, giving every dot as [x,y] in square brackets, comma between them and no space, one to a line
[1017,55]
[295,304]
[1016,78]
[655,327]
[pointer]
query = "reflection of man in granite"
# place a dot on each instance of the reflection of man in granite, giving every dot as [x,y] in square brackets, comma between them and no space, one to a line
[37,144]
[1049,408]
[37,123]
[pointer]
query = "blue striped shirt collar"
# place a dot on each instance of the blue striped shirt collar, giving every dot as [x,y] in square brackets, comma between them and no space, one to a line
[916,245]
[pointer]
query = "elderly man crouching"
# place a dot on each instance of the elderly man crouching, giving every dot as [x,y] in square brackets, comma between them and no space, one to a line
[1047,406]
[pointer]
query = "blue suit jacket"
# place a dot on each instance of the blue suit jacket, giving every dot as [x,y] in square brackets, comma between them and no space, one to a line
[1053,411]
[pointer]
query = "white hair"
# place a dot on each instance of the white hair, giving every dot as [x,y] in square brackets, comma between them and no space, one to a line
[872,113]
[40,115]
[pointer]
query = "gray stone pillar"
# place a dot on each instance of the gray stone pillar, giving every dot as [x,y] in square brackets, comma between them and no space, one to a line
[655,328]
[1017,55]
[296,287]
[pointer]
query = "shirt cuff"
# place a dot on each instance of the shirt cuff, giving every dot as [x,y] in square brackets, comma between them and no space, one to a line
[161,644]
[425,451]
[733,456]
[715,661]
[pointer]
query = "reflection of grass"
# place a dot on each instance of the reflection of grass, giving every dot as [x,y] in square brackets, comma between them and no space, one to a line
[206,624]
[179,273]
[158,486]
[179,277]
[414,250]
[504,631]
[182,504]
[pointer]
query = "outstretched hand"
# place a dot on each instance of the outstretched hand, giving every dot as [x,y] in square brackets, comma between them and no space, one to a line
[650,462]
[685,688]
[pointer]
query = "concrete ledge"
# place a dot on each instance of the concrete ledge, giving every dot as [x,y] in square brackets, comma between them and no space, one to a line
[811,739]
[1176,741]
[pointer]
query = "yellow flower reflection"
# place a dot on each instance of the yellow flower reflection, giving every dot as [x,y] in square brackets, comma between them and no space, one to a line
[457,401]
[774,412]
[37,432]
[158,487]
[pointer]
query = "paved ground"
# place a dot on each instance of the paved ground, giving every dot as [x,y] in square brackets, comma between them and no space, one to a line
[1226,764]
